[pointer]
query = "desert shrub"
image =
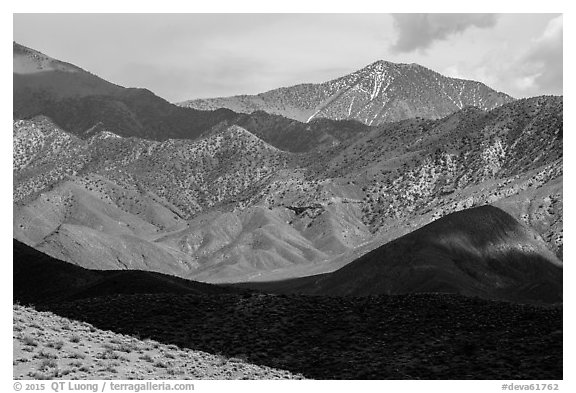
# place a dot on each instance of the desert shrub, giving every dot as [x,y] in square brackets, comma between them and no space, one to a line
[47,364]
[110,368]
[45,355]
[108,354]
[56,345]
[160,364]
[146,358]
[75,339]
[29,341]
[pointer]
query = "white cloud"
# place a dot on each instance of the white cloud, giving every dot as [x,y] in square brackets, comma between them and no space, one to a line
[420,31]
[540,67]
[523,69]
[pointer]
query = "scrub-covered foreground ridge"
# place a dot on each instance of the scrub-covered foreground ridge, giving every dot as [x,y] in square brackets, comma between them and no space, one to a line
[134,324]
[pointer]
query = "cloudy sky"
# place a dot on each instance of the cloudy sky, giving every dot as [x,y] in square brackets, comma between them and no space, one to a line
[184,56]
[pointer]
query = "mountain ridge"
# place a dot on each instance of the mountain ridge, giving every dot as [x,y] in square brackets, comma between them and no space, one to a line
[311,211]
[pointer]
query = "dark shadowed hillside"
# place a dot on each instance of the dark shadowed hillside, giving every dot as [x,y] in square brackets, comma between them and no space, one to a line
[39,278]
[477,252]
[423,336]
[294,136]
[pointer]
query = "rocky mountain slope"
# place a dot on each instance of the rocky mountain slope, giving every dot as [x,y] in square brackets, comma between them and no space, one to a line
[112,202]
[232,207]
[378,93]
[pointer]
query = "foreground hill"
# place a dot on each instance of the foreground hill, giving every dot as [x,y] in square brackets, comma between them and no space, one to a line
[381,92]
[480,252]
[132,325]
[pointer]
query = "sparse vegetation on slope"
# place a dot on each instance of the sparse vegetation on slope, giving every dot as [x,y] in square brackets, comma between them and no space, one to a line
[47,346]
[135,332]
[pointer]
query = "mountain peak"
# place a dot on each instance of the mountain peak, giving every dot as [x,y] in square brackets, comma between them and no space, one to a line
[382,65]
[381,92]
[379,66]
[21,49]
[387,63]
[30,61]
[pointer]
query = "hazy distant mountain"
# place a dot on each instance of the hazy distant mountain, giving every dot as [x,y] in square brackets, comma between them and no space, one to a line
[381,92]
[82,103]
